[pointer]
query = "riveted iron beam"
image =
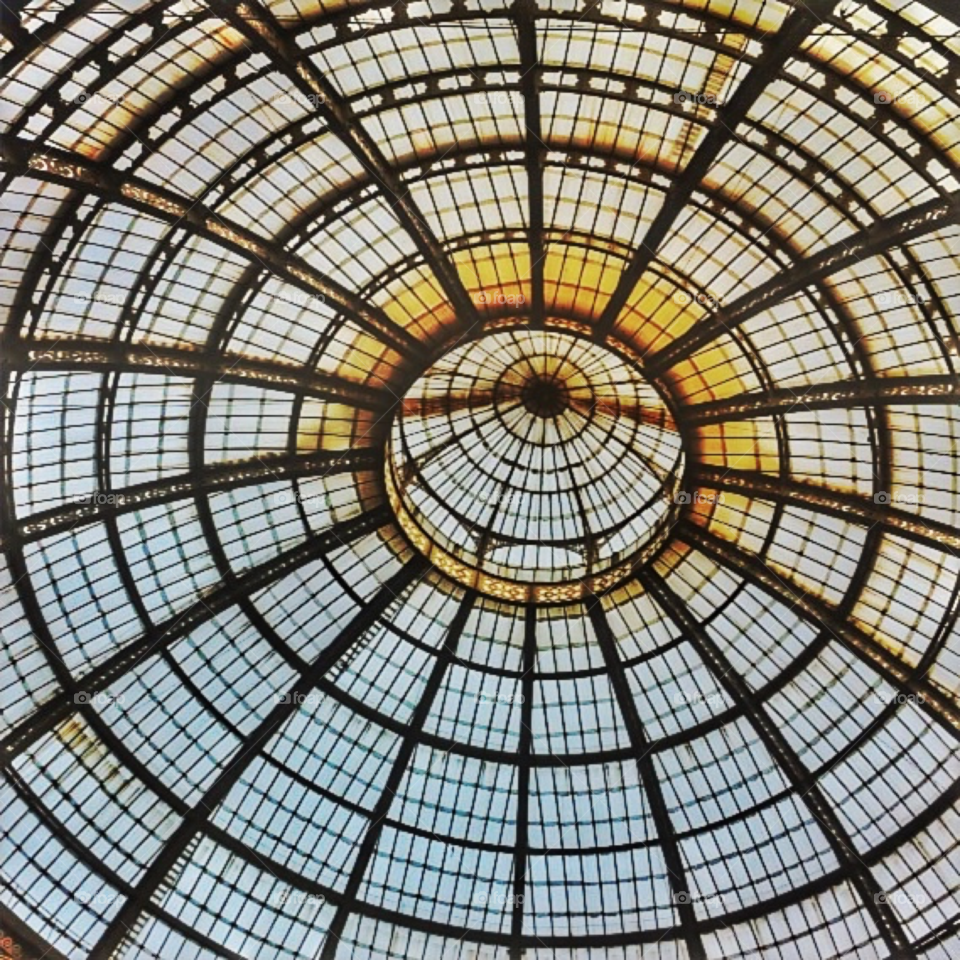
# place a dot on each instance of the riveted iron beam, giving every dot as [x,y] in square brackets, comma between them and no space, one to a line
[77,172]
[806,789]
[880,236]
[666,834]
[904,678]
[879,509]
[378,817]
[109,355]
[780,48]
[216,476]
[935,389]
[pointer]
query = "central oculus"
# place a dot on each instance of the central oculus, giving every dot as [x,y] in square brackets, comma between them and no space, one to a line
[534,465]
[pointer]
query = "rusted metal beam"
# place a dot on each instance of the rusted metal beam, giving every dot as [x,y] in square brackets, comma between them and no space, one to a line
[936,702]
[878,237]
[779,49]
[108,356]
[25,158]
[259,26]
[846,394]
[879,509]
[229,475]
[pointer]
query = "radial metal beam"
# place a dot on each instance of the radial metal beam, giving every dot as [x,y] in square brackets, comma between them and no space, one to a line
[408,744]
[179,843]
[876,510]
[260,28]
[97,506]
[806,789]
[666,835]
[108,356]
[521,857]
[11,29]
[906,680]
[71,697]
[23,157]
[525,14]
[945,8]
[880,236]
[780,47]
[185,104]
[935,389]
[217,599]
[93,863]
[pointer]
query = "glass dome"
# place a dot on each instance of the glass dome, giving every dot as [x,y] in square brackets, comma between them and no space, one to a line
[509,460]
[479,480]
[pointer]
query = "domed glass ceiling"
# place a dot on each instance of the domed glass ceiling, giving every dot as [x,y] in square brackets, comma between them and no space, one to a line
[480,479]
